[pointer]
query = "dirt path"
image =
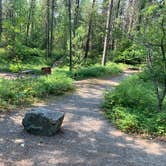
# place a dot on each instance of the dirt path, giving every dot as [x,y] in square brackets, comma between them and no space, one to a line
[7,75]
[86,139]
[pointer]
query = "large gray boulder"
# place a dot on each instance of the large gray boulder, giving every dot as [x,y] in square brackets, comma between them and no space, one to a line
[44,122]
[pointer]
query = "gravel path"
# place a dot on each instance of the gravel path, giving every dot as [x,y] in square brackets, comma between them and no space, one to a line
[86,139]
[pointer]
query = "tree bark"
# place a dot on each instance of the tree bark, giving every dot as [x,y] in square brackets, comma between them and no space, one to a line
[107,32]
[32,18]
[141,6]
[48,28]
[118,7]
[113,42]
[0,20]
[12,20]
[52,26]
[76,15]
[70,36]
[30,21]
[160,94]
[89,31]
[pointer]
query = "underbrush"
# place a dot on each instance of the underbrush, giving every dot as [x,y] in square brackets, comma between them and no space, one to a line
[96,71]
[20,92]
[132,55]
[24,91]
[132,107]
[26,59]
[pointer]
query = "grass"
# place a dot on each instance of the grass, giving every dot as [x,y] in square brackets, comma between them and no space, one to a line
[132,107]
[32,62]
[21,92]
[96,71]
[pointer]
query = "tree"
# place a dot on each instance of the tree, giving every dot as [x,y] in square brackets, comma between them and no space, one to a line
[52,26]
[76,15]
[70,35]
[107,31]
[48,27]
[11,33]
[89,30]
[0,19]
[153,34]
[30,20]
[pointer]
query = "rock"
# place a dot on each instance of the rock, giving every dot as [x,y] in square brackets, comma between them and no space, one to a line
[44,122]
[22,145]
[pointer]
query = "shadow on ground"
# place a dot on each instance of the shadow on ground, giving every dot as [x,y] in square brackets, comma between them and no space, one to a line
[86,138]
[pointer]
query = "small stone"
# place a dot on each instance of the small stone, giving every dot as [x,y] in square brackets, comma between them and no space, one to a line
[22,145]
[44,122]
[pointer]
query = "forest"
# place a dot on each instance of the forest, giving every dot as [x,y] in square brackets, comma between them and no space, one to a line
[101,64]
[82,39]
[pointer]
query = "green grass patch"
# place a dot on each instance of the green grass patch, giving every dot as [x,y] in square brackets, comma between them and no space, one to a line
[21,92]
[132,107]
[96,71]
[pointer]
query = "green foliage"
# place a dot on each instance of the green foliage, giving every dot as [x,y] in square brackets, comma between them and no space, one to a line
[26,53]
[132,107]
[132,55]
[96,71]
[56,84]
[4,60]
[34,60]
[23,91]
[16,66]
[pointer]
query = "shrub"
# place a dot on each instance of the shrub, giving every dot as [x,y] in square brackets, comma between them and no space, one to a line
[28,52]
[132,107]
[132,55]
[24,91]
[96,71]
[56,84]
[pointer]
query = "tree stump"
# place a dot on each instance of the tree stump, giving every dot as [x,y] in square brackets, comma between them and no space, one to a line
[46,70]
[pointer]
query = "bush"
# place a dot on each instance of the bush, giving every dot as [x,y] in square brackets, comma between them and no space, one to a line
[28,52]
[132,107]
[24,91]
[56,84]
[133,55]
[96,71]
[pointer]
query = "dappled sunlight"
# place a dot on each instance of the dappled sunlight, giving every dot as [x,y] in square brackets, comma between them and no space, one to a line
[6,75]
[86,137]
[81,82]
[146,146]
[90,124]
[16,119]
[150,147]
[40,104]
[120,145]
[25,162]
[115,133]
[18,141]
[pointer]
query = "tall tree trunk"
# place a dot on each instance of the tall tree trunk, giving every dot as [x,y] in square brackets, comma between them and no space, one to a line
[113,42]
[30,21]
[12,35]
[0,20]
[52,26]
[48,28]
[141,6]
[70,36]
[32,18]
[89,31]
[76,15]
[117,9]
[132,18]
[107,32]
[28,26]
